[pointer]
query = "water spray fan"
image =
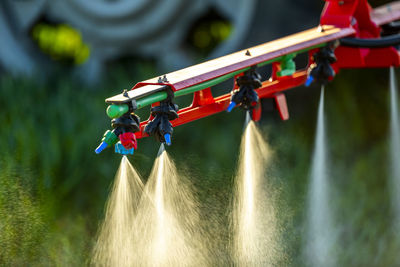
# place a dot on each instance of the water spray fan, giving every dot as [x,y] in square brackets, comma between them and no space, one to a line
[351,35]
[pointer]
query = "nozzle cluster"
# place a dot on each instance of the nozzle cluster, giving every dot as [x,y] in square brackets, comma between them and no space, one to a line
[245,95]
[161,126]
[124,123]
[321,70]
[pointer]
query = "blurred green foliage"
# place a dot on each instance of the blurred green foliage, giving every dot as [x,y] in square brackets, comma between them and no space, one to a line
[21,224]
[53,187]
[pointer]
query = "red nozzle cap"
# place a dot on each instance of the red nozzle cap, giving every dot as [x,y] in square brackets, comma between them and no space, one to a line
[128,140]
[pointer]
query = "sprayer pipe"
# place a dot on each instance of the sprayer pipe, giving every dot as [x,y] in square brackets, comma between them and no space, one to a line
[150,99]
[208,84]
[160,96]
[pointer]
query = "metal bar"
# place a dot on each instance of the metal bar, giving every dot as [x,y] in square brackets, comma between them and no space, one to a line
[386,13]
[135,94]
[148,100]
[268,89]
[212,69]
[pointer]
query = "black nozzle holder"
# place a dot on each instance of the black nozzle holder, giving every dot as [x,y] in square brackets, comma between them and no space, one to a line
[161,126]
[128,122]
[246,95]
[321,70]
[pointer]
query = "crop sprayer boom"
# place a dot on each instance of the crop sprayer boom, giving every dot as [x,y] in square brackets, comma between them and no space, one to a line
[351,35]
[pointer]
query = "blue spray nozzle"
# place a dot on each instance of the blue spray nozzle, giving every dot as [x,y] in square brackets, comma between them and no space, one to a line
[231,106]
[101,147]
[309,80]
[167,138]
[120,149]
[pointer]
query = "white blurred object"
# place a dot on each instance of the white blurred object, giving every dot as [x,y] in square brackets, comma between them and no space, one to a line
[116,28]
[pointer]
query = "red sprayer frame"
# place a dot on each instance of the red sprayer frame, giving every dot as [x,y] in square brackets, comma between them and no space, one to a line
[339,19]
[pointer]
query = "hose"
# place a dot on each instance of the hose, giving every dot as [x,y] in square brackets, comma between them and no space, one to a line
[386,41]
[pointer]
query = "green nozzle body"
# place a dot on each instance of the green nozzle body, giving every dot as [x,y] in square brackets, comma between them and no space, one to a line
[110,138]
[288,66]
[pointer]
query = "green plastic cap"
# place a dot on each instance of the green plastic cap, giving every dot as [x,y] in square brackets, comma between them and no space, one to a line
[288,66]
[110,138]
[115,111]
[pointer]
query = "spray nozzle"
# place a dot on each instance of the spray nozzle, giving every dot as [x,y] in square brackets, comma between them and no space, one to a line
[246,96]
[124,128]
[109,139]
[167,138]
[101,147]
[321,70]
[161,126]
[128,140]
[309,80]
[120,149]
[231,106]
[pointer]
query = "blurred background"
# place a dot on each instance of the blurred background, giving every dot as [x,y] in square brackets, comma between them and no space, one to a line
[60,59]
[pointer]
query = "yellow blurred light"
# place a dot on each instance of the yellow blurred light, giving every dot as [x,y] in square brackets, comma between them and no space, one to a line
[201,38]
[215,29]
[220,30]
[82,54]
[225,30]
[61,42]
